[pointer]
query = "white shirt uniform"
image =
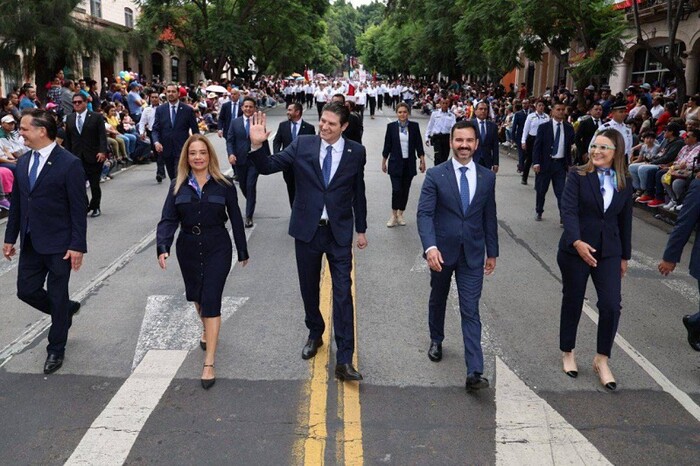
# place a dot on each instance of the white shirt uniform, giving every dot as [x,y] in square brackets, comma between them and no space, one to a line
[532,122]
[624,130]
[440,123]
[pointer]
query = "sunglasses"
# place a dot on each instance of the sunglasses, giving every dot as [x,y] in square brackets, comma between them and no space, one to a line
[601,147]
[75,102]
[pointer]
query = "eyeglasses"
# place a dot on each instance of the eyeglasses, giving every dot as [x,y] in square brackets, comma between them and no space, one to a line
[75,102]
[601,147]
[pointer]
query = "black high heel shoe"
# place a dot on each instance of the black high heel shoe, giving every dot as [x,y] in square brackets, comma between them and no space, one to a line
[609,384]
[208,383]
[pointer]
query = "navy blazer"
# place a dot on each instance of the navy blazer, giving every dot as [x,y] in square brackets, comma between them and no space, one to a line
[544,141]
[92,140]
[519,125]
[237,141]
[609,232]
[283,137]
[442,223]
[392,148]
[55,208]
[486,154]
[688,220]
[173,137]
[344,197]
[225,115]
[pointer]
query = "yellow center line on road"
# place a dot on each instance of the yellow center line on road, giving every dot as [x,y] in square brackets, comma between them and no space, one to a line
[352,413]
[315,442]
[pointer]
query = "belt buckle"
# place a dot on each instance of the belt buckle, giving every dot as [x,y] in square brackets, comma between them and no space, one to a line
[196,230]
[323,222]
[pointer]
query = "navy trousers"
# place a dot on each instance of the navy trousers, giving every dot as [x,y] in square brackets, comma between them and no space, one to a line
[339,258]
[555,174]
[33,271]
[607,281]
[469,284]
[695,318]
[247,176]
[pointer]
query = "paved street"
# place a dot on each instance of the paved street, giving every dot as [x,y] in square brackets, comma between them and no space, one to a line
[129,389]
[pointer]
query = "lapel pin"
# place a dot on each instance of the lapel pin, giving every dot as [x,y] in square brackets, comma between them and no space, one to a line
[349,150]
[48,163]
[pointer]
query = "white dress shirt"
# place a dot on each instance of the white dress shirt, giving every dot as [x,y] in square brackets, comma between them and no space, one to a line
[338,148]
[560,148]
[609,191]
[440,123]
[148,117]
[532,122]
[44,153]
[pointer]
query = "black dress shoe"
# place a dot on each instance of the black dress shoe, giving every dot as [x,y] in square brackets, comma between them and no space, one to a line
[96,213]
[159,178]
[53,363]
[475,382]
[538,217]
[310,348]
[347,372]
[248,222]
[74,307]
[208,383]
[523,182]
[435,351]
[693,334]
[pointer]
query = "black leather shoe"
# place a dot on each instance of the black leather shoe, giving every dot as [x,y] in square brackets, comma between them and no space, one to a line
[208,383]
[347,372]
[53,363]
[248,222]
[693,334]
[538,217]
[96,213]
[476,382]
[523,182]
[435,352]
[159,178]
[310,348]
[74,307]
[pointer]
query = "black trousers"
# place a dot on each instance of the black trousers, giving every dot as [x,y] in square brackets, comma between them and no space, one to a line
[395,101]
[33,271]
[607,281]
[441,147]
[170,165]
[401,187]
[372,105]
[388,100]
[93,171]
[380,98]
[527,159]
[288,176]
[555,173]
[309,100]
[339,258]
[319,107]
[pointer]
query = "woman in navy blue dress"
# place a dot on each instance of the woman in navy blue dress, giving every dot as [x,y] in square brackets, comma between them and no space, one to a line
[200,201]
[597,242]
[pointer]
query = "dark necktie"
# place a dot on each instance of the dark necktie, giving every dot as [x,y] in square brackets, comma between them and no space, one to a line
[557,136]
[464,189]
[34,170]
[247,127]
[294,130]
[483,131]
[596,123]
[234,110]
[326,168]
[172,115]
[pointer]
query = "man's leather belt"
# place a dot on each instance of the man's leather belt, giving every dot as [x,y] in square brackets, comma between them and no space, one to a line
[198,229]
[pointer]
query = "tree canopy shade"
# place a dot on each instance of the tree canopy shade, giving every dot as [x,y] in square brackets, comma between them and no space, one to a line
[49,37]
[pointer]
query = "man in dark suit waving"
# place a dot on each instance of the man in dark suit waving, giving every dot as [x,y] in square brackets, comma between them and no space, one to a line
[457,227]
[329,201]
[286,133]
[171,127]
[551,157]
[48,215]
[487,153]
[86,138]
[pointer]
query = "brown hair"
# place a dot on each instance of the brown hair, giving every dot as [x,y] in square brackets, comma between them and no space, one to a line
[183,166]
[619,159]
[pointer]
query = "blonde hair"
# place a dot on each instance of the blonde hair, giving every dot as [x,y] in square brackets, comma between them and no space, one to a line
[619,159]
[183,166]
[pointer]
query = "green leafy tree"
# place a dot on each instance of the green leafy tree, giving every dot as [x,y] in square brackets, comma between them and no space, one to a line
[50,37]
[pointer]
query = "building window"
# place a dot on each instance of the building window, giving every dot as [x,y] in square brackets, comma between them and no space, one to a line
[175,66]
[646,69]
[87,67]
[125,59]
[129,18]
[96,8]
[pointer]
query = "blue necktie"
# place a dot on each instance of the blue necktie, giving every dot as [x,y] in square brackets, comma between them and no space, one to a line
[483,131]
[33,172]
[247,127]
[557,135]
[80,123]
[172,115]
[602,173]
[464,189]
[234,110]
[294,130]
[326,168]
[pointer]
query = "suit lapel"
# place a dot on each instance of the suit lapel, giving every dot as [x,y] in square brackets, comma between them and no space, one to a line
[452,181]
[344,160]
[316,160]
[594,183]
[47,166]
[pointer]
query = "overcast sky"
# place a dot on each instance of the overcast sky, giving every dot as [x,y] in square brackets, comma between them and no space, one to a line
[360,2]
